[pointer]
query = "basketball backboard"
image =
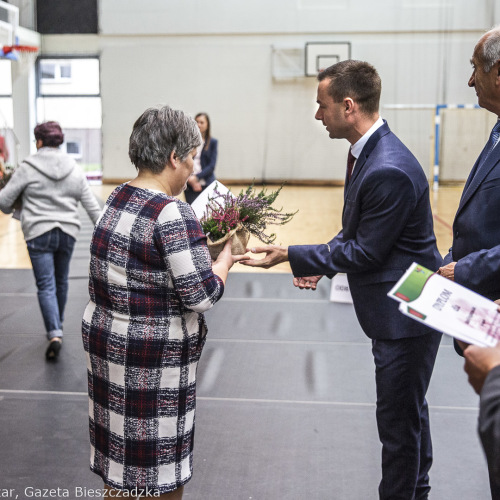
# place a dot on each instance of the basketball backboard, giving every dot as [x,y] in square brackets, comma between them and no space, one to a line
[320,55]
[9,22]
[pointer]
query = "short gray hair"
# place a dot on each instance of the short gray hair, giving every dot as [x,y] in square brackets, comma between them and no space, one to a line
[157,133]
[491,49]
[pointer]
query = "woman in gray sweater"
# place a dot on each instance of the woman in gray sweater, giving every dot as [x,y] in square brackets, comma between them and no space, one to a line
[50,185]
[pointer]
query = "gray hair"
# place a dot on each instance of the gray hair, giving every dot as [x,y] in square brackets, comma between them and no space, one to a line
[157,133]
[491,49]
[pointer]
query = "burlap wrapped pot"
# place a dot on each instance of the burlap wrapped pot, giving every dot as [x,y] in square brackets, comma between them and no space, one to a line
[240,237]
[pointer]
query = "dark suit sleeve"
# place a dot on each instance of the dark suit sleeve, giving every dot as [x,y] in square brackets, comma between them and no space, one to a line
[387,199]
[489,421]
[480,271]
[208,160]
[448,258]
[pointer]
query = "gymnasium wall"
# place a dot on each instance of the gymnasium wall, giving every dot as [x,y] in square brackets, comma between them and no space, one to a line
[217,57]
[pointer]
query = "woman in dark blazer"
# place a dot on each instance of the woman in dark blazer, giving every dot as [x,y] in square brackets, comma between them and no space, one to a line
[203,174]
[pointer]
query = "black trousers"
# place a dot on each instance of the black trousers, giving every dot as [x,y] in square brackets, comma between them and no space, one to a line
[192,195]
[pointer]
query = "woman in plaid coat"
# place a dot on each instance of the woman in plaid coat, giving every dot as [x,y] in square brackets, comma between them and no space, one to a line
[151,279]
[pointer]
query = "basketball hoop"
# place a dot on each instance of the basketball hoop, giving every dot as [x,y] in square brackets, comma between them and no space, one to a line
[25,55]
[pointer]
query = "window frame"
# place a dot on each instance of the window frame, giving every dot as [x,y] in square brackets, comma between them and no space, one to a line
[39,80]
[76,156]
[58,78]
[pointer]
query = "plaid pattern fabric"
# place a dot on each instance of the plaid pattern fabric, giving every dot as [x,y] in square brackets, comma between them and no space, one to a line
[143,332]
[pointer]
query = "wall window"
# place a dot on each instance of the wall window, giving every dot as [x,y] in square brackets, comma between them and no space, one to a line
[74,149]
[68,76]
[55,71]
[68,91]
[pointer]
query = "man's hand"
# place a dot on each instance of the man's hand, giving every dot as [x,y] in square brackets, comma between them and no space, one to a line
[478,363]
[274,255]
[448,271]
[463,345]
[308,282]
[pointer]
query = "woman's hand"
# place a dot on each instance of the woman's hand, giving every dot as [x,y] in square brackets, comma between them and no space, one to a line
[225,261]
[225,257]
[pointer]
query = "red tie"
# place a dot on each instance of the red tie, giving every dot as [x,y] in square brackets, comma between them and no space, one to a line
[350,164]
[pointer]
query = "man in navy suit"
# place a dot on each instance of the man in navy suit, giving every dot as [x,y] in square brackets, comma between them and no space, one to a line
[386,226]
[474,258]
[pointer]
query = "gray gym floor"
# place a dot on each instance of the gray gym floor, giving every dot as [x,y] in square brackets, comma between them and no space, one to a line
[285,399]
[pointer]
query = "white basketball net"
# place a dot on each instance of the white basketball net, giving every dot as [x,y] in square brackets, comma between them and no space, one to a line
[26,58]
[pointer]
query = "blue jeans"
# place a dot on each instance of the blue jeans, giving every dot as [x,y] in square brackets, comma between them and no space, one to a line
[50,256]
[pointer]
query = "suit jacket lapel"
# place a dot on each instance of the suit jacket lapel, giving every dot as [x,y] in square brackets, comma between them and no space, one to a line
[478,174]
[365,153]
[347,182]
[474,168]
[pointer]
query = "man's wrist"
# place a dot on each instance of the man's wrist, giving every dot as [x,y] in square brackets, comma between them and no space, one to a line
[285,252]
[493,363]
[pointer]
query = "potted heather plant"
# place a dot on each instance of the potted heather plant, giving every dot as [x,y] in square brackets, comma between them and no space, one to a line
[237,217]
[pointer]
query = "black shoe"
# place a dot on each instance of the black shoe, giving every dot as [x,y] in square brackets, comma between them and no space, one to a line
[52,351]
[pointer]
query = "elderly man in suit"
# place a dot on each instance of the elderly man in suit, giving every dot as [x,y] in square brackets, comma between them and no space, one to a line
[474,258]
[386,225]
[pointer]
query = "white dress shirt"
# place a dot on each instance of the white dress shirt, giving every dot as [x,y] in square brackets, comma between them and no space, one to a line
[358,146]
